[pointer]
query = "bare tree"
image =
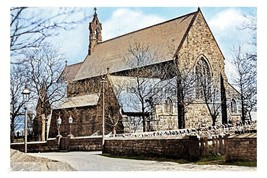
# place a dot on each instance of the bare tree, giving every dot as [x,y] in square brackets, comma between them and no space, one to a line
[133,123]
[245,80]
[120,91]
[113,120]
[31,27]
[40,70]
[251,25]
[44,66]
[210,93]
[251,56]
[143,88]
[17,83]
[185,82]
[179,69]
[244,61]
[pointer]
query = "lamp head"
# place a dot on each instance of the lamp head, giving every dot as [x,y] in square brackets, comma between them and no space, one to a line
[59,120]
[26,93]
[70,120]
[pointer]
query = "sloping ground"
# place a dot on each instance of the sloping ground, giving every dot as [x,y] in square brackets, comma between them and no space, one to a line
[23,162]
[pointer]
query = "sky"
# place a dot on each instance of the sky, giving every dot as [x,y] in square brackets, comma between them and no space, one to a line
[223,21]
[115,22]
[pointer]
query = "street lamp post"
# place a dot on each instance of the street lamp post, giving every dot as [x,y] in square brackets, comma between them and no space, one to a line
[103,81]
[58,125]
[70,122]
[26,94]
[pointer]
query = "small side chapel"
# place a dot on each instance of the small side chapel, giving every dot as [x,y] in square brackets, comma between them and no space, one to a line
[140,77]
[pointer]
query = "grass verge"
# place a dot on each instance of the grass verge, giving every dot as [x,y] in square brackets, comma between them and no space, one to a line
[212,160]
[141,157]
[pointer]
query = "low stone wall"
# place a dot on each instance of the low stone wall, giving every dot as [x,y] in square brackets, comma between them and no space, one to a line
[49,145]
[170,147]
[241,147]
[85,144]
[63,144]
[238,147]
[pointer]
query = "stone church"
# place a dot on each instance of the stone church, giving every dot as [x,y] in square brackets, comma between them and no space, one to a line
[149,79]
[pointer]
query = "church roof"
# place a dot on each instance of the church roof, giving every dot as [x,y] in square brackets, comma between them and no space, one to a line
[80,101]
[70,71]
[162,39]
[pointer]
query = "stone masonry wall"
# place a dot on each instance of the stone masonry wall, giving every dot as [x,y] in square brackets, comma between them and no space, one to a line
[85,144]
[176,148]
[197,115]
[237,147]
[241,147]
[200,42]
[65,144]
[85,122]
[50,145]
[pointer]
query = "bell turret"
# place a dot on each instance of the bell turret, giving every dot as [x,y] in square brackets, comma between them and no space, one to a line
[95,29]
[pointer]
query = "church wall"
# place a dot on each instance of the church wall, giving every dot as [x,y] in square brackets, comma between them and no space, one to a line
[200,43]
[88,120]
[197,115]
[165,117]
[112,110]
[233,94]
[85,122]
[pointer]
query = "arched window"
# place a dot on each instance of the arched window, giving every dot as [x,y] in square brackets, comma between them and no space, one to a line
[96,34]
[203,76]
[233,106]
[168,105]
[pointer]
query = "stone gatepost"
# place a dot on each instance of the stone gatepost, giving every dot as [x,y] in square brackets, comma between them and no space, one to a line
[193,148]
[64,144]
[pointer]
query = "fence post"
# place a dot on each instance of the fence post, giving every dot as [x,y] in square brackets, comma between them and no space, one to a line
[206,151]
[216,145]
[221,145]
[202,147]
[213,145]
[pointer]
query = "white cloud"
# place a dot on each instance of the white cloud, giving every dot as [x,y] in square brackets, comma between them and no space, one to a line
[227,19]
[125,20]
[225,26]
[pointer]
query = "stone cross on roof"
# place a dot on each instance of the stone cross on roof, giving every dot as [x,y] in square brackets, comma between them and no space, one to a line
[95,10]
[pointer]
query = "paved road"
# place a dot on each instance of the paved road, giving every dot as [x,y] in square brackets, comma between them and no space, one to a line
[93,161]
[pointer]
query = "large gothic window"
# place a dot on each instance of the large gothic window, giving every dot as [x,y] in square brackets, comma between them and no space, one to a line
[203,75]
